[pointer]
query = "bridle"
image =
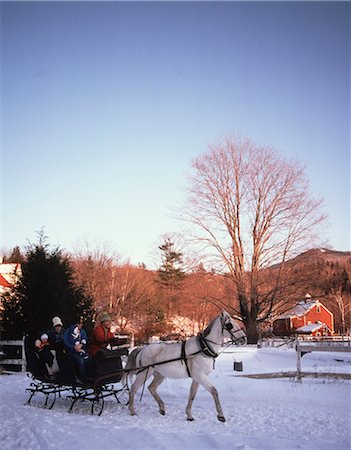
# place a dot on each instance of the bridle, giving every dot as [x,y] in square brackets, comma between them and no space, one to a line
[205,342]
[228,326]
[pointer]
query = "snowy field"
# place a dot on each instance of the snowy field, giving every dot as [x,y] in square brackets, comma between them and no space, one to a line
[261,414]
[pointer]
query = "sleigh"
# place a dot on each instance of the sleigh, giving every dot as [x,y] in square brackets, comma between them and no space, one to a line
[192,358]
[86,394]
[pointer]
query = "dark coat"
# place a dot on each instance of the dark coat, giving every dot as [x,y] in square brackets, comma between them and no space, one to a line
[70,338]
[56,339]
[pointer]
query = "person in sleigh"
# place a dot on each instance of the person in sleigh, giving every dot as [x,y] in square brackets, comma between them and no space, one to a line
[101,335]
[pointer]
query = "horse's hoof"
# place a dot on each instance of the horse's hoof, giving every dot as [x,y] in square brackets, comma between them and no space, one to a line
[190,419]
[162,412]
[221,418]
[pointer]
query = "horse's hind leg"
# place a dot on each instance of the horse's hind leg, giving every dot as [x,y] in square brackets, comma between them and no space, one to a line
[158,379]
[192,393]
[139,381]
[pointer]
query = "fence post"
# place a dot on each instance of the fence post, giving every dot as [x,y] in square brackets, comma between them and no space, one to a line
[298,360]
[23,365]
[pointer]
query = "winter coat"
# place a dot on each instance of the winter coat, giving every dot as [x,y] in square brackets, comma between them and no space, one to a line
[56,339]
[72,336]
[44,352]
[100,338]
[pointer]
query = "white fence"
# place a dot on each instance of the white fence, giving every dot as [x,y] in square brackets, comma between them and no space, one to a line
[334,344]
[12,354]
[303,347]
[289,342]
[277,342]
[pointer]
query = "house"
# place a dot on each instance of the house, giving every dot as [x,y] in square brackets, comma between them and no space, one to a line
[9,274]
[4,284]
[309,317]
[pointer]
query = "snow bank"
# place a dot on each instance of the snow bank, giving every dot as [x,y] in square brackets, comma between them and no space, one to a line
[267,414]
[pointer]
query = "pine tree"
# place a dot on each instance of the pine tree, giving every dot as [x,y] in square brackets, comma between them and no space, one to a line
[171,275]
[170,272]
[45,289]
[15,257]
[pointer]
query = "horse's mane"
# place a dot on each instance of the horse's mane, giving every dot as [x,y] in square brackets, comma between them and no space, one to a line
[208,329]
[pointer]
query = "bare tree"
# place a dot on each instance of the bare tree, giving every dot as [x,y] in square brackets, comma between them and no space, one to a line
[93,267]
[337,287]
[343,305]
[133,296]
[202,292]
[252,210]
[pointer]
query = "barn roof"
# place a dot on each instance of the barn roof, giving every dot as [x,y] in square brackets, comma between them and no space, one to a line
[300,309]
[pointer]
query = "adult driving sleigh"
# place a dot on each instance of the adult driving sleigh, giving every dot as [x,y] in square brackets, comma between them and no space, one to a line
[103,379]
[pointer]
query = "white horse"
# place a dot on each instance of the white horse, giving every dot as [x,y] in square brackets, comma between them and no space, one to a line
[192,358]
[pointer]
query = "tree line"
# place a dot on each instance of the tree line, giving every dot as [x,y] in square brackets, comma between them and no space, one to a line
[139,301]
[249,213]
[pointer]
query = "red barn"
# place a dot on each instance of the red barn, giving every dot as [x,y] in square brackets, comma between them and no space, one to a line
[308,317]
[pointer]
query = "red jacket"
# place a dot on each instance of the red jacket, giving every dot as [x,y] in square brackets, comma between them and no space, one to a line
[100,338]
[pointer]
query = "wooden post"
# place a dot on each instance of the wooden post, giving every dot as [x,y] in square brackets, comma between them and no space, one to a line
[298,360]
[24,365]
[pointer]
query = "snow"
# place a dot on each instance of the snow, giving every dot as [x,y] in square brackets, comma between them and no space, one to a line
[261,414]
[310,328]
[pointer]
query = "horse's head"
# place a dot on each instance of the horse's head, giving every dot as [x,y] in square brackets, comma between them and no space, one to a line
[232,330]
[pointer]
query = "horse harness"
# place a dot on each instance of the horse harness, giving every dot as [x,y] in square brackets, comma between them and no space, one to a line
[185,359]
[205,349]
[183,356]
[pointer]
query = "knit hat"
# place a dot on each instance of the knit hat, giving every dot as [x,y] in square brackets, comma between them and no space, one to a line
[56,321]
[105,317]
[44,336]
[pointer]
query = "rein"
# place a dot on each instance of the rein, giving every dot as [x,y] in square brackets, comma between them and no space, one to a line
[141,369]
[185,359]
[204,348]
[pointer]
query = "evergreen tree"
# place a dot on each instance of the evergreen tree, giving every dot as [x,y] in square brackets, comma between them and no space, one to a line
[15,257]
[44,290]
[171,275]
[170,272]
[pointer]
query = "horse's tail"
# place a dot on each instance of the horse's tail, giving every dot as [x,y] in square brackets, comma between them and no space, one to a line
[131,365]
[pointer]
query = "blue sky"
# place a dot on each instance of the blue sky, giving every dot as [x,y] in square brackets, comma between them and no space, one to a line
[105,104]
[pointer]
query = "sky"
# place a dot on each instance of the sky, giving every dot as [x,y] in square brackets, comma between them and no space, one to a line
[104,106]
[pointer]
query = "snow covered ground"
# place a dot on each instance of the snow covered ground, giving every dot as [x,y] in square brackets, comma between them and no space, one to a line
[261,414]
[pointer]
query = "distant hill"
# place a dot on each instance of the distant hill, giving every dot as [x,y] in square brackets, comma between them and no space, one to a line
[317,257]
[325,255]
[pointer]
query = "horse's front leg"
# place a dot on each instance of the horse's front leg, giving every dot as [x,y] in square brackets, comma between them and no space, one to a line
[213,391]
[192,393]
[158,378]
